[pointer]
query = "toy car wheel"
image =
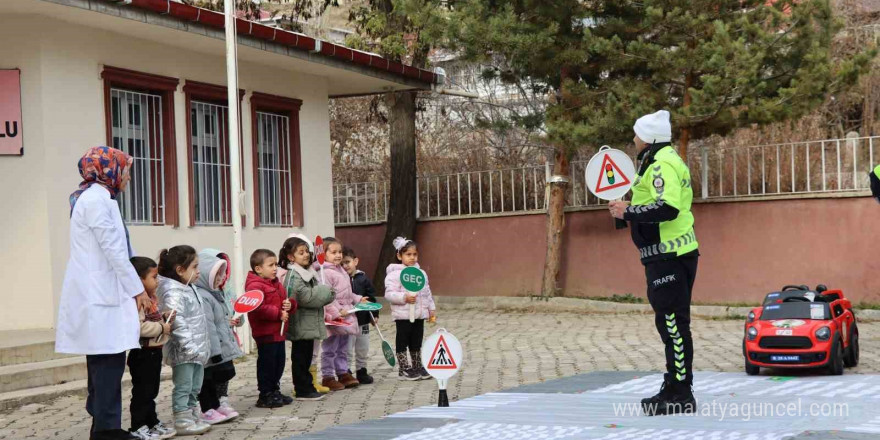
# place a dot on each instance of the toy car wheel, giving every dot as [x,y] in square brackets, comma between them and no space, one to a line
[751,369]
[852,353]
[835,363]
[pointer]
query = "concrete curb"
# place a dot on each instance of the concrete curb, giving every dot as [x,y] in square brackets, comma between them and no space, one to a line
[581,305]
[15,399]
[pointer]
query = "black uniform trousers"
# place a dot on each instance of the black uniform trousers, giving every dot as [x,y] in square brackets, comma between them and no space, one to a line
[104,403]
[670,283]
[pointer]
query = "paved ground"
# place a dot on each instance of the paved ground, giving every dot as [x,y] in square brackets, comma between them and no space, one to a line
[504,350]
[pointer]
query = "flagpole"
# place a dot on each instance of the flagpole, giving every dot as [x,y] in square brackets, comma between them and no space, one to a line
[234,160]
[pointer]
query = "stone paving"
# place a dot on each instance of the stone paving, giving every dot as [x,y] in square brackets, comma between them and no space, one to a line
[503,350]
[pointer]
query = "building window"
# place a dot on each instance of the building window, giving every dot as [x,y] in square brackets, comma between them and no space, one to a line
[274,169]
[208,153]
[137,130]
[210,163]
[140,117]
[277,178]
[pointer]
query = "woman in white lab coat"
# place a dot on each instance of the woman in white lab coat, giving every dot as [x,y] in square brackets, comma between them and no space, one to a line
[98,315]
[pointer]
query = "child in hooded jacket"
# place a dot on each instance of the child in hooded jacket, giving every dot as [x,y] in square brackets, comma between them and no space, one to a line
[409,334]
[267,322]
[188,350]
[307,324]
[229,297]
[334,349]
[219,370]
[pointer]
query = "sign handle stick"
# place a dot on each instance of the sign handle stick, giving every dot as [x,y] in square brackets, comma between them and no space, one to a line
[442,398]
[281,333]
[376,324]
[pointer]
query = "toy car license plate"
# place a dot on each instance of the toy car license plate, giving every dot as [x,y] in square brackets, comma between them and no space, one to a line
[785,358]
[787,332]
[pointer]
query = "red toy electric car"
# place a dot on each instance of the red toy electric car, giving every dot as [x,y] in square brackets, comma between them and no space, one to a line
[802,328]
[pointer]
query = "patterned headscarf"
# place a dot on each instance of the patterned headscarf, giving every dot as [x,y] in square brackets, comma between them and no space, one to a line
[104,166]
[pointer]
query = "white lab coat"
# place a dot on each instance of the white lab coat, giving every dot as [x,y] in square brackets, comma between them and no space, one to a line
[98,313]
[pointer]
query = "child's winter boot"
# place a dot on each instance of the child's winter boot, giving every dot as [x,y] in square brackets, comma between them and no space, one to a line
[185,423]
[226,409]
[363,377]
[333,384]
[317,383]
[404,371]
[418,368]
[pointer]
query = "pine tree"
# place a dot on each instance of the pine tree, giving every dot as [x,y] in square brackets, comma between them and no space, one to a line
[714,64]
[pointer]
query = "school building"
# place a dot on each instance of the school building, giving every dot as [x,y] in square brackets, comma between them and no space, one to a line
[148,77]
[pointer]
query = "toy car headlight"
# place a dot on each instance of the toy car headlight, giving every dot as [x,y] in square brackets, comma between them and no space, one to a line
[751,316]
[752,332]
[823,334]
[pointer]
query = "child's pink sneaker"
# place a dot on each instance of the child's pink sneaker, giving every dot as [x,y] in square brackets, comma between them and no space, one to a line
[213,417]
[227,410]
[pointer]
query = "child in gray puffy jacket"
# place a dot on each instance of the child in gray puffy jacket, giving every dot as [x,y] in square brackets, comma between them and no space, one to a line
[219,370]
[188,350]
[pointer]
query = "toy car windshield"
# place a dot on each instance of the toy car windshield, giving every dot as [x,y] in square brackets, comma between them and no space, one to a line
[796,310]
[775,297]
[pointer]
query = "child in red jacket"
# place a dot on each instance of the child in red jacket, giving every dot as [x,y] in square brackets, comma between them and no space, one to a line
[266,327]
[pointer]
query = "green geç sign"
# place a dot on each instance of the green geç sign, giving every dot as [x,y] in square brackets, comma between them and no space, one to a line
[413,279]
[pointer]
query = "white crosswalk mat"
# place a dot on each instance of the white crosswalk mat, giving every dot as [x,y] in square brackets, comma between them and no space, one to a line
[461,408]
[723,383]
[681,434]
[872,427]
[731,406]
[495,431]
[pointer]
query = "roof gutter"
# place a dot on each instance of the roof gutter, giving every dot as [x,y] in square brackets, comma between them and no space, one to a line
[434,89]
[295,40]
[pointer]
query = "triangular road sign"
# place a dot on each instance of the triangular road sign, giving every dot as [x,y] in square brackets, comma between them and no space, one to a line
[611,176]
[441,358]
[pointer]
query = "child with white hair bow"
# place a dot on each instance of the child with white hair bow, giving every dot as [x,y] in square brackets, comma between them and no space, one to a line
[409,311]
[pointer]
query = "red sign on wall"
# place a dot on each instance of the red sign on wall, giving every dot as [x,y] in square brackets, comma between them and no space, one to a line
[10,113]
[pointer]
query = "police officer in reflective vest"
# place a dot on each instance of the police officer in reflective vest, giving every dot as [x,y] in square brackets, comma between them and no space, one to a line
[875,182]
[662,227]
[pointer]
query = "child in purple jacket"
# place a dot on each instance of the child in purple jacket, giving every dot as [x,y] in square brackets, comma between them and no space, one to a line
[341,324]
[409,334]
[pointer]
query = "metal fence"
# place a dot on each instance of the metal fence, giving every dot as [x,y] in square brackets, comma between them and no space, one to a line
[823,166]
[791,169]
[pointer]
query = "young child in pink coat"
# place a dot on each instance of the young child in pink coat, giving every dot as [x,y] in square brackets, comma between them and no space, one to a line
[334,349]
[409,334]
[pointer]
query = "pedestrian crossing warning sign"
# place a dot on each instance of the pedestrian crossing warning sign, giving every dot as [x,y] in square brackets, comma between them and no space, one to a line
[442,357]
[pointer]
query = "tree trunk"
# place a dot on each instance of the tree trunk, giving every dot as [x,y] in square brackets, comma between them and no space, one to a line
[685,137]
[683,142]
[402,199]
[555,224]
